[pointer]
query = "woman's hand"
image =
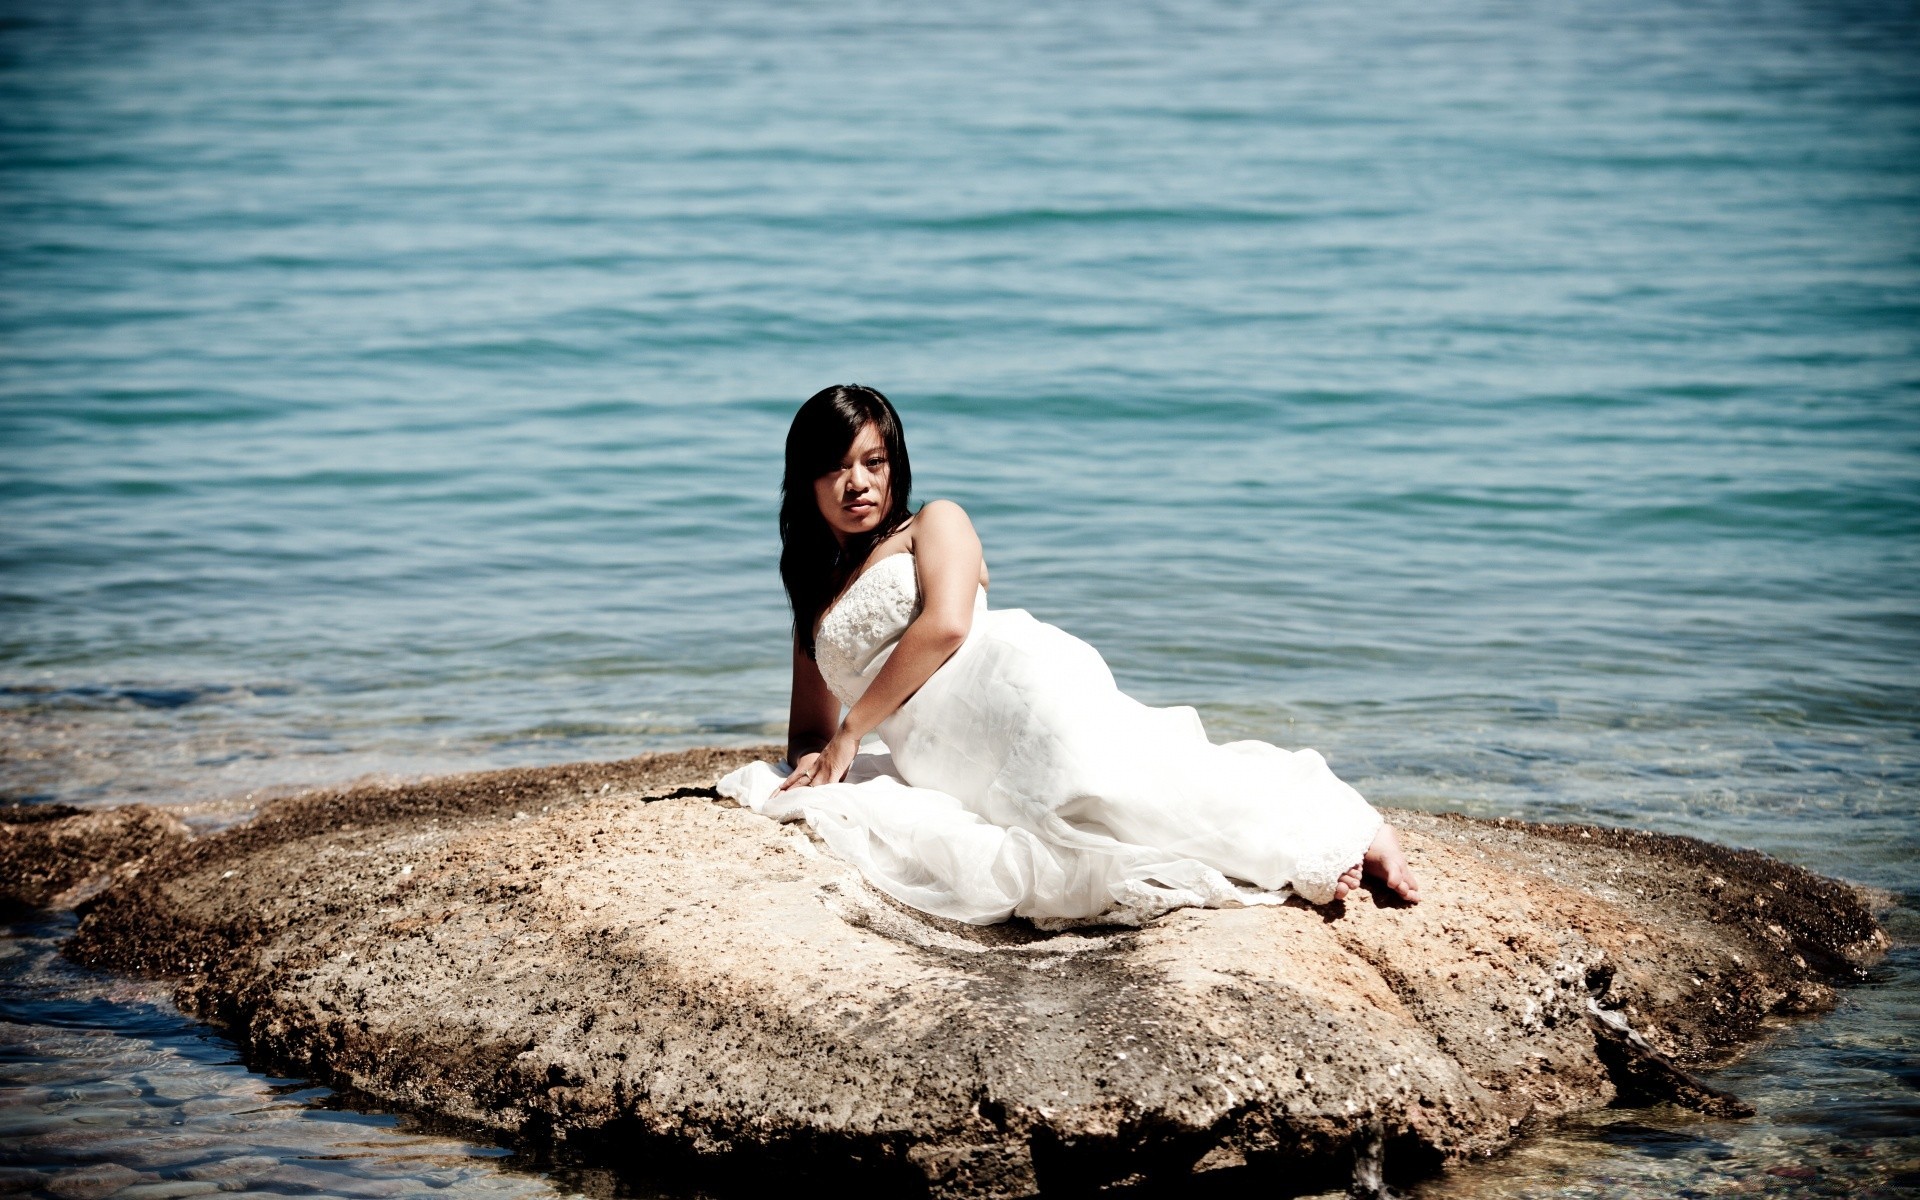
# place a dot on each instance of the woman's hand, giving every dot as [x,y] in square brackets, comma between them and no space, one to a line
[802,773]
[828,766]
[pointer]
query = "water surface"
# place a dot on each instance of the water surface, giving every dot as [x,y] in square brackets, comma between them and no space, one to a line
[1515,403]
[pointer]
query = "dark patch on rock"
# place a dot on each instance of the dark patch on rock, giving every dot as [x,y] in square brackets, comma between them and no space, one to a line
[36,814]
[1643,1075]
[57,855]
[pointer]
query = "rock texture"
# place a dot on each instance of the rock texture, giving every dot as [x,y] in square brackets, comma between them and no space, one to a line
[55,855]
[609,957]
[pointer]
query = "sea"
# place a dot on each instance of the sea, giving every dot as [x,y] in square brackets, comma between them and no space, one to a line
[1517,402]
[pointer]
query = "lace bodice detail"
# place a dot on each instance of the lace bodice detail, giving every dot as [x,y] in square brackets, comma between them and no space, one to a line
[861,628]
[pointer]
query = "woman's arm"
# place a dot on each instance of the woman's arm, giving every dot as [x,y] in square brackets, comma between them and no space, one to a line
[814,712]
[947,553]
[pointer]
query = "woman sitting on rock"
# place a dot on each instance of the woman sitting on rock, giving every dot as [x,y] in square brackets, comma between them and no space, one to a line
[1017,779]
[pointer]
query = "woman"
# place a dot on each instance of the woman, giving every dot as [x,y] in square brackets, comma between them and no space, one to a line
[1020,779]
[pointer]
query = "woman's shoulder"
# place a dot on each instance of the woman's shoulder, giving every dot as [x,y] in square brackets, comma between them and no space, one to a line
[942,520]
[941,512]
[943,541]
[942,531]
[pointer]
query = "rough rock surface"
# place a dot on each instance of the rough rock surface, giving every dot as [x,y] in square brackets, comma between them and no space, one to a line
[609,957]
[55,855]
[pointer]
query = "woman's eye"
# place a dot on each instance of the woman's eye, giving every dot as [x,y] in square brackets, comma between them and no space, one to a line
[876,463]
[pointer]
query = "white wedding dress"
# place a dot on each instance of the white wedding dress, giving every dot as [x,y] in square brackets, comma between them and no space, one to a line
[1020,781]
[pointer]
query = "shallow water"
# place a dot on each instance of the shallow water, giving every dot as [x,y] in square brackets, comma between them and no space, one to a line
[1517,404]
[105,1089]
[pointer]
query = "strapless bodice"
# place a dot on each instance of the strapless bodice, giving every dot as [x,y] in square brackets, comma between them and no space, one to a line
[858,633]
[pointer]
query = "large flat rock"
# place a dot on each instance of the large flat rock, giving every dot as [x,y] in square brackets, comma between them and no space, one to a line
[611,957]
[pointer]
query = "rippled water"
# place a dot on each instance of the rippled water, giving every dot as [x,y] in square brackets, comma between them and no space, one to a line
[109,1090]
[1517,403]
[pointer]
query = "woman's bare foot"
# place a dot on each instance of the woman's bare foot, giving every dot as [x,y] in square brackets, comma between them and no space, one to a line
[1387,862]
[1349,880]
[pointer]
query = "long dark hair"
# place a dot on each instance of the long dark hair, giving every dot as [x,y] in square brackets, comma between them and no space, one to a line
[813,564]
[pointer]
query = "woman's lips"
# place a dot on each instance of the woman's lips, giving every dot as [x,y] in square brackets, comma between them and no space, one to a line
[859,508]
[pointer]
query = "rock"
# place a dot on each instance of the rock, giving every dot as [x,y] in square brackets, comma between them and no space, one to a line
[225,1170]
[20,1179]
[91,1183]
[1642,1073]
[609,956]
[177,1189]
[57,855]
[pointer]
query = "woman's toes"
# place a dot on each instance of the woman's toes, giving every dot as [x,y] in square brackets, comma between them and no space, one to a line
[1404,883]
[1349,880]
[1388,862]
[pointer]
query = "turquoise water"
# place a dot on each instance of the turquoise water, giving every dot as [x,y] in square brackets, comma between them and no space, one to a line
[1519,404]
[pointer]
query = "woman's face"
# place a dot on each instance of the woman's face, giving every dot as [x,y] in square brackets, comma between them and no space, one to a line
[855,496]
